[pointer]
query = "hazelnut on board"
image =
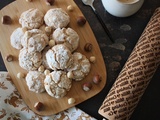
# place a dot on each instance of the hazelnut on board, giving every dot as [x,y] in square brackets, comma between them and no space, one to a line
[9,58]
[70,8]
[88,47]
[48,29]
[28,0]
[71,101]
[87,86]
[70,75]
[92,59]
[49,2]
[20,75]
[6,20]
[39,106]
[96,79]
[81,20]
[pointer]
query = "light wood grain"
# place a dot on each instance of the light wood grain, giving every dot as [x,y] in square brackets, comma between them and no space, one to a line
[52,105]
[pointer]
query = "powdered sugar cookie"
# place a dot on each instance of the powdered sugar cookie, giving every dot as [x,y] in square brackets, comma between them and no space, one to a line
[80,66]
[59,57]
[67,36]
[34,40]
[16,38]
[57,84]
[29,60]
[56,18]
[35,81]
[31,19]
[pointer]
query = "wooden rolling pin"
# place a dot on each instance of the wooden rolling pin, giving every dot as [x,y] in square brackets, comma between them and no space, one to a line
[135,75]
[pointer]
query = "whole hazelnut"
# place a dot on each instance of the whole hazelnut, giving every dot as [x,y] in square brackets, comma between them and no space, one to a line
[81,20]
[49,2]
[87,86]
[88,47]
[70,75]
[6,20]
[24,29]
[9,58]
[39,106]
[46,72]
[52,43]
[70,8]
[28,0]
[96,79]
[92,59]
[20,75]
[48,29]
[71,101]
[41,68]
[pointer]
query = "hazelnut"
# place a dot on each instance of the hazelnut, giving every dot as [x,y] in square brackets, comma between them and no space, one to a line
[46,72]
[6,20]
[9,77]
[9,58]
[70,75]
[28,0]
[20,75]
[28,34]
[88,47]
[96,79]
[41,68]
[70,8]
[71,101]
[51,43]
[92,59]
[24,29]
[39,106]
[81,20]
[50,2]
[48,29]
[87,86]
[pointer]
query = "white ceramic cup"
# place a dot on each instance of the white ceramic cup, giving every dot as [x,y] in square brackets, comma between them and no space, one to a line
[122,8]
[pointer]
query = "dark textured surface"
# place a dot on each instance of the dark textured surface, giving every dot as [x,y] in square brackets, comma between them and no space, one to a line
[126,32]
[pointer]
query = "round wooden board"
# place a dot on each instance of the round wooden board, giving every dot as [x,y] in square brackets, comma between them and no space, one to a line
[52,105]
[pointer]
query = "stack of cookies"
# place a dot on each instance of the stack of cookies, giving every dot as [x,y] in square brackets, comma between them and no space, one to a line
[47,51]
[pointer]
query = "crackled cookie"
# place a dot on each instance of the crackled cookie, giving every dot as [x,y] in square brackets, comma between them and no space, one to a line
[34,40]
[57,84]
[16,38]
[67,36]
[59,57]
[35,81]
[31,19]
[80,66]
[56,18]
[29,60]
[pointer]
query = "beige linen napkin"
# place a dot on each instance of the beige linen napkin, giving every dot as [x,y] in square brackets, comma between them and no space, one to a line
[12,106]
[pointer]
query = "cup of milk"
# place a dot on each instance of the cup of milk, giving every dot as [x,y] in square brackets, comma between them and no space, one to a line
[122,8]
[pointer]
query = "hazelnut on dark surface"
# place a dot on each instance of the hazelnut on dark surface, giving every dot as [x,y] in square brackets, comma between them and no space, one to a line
[6,20]
[81,20]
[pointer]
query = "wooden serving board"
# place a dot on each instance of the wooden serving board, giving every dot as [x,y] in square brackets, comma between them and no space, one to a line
[52,105]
